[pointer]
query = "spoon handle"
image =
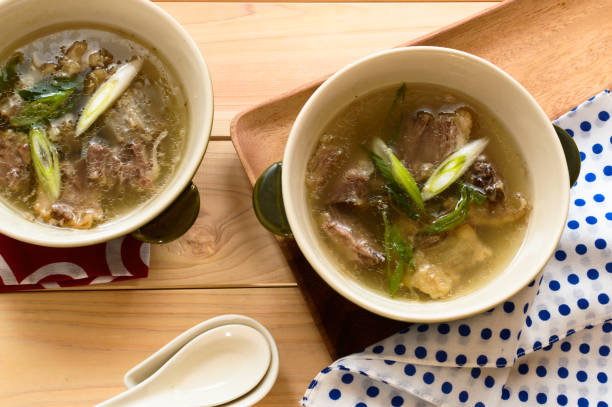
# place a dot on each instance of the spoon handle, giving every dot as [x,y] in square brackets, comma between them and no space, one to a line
[134,397]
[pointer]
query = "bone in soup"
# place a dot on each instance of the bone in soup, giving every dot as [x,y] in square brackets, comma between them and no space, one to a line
[418,191]
[92,123]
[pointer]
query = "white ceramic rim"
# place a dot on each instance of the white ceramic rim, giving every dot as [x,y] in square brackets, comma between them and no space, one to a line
[146,212]
[333,279]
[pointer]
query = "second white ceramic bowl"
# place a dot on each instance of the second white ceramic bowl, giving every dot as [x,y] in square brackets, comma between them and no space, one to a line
[514,107]
[149,23]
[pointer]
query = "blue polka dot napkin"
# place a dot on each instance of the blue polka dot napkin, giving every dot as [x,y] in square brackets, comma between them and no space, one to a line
[547,345]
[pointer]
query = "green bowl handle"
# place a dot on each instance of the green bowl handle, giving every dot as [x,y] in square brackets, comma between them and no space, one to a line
[268,201]
[174,221]
[572,155]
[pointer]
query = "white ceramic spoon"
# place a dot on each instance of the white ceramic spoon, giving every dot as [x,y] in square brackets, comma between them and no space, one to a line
[214,368]
[156,360]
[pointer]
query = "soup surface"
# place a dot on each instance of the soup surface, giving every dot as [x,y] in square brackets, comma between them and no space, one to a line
[92,123]
[381,188]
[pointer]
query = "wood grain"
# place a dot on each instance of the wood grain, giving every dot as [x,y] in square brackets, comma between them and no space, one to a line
[339,1]
[561,52]
[71,349]
[226,247]
[256,51]
[285,45]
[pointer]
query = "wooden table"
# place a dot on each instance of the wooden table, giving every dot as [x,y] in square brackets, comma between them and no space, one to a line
[71,347]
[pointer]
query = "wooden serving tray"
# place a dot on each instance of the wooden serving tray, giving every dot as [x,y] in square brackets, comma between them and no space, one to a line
[560,51]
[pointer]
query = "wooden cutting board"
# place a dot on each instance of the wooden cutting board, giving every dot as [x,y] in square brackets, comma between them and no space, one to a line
[560,51]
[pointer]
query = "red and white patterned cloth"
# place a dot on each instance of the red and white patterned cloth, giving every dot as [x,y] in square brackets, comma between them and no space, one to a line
[24,266]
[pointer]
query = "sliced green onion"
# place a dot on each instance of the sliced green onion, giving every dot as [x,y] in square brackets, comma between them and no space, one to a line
[107,94]
[400,174]
[467,194]
[452,168]
[398,254]
[387,241]
[395,117]
[452,219]
[396,193]
[8,74]
[40,109]
[477,195]
[403,177]
[382,166]
[49,86]
[45,162]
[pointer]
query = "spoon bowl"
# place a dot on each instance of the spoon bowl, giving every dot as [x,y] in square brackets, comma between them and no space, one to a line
[216,367]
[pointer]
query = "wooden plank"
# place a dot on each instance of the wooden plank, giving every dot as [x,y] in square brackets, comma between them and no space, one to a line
[227,246]
[560,51]
[339,1]
[256,51]
[62,349]
[72,348]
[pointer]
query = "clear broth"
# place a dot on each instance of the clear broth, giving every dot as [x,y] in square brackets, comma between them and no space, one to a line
[361,120]
[156,80]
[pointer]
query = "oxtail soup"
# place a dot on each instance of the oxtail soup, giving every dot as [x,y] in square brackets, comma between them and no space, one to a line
[418,191]
[92,124]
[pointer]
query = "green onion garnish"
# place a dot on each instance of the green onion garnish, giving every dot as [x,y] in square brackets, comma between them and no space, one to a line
[467,194]
[452,168]
[396,193]
[400,174]
[398,254]
[107,94]
[8,74]
[395,116]
[50,86]
[45,162]
[40,109]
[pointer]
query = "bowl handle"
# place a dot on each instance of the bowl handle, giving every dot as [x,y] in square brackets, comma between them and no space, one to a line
[268,201]
[572,155]
[174,221]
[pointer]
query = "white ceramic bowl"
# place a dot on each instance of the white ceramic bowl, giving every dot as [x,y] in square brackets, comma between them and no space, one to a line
[148,22]
[507,99]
